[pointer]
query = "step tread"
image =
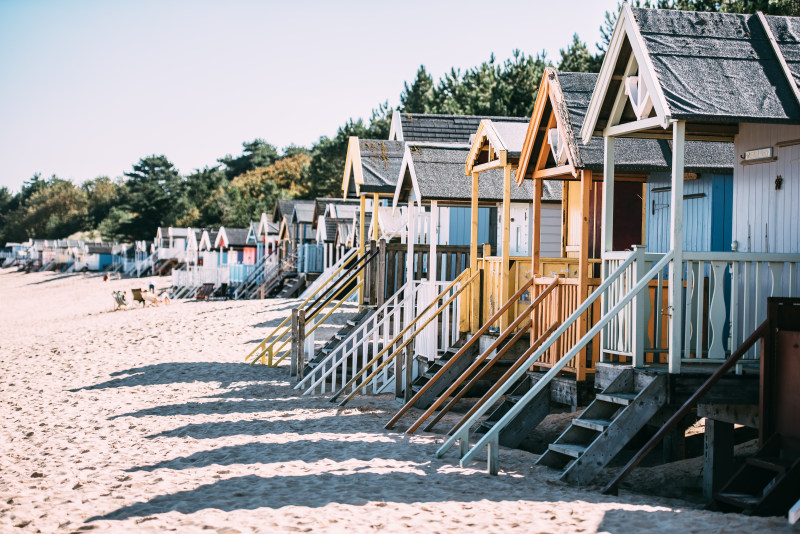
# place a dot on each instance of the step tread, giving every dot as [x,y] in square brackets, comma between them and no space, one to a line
[624,399]
[745,500]
[593,424]
[769,463]
[568,449]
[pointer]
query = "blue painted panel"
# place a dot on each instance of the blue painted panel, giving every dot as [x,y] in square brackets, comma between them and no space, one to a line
[461,226]
[722,212]
[696,213]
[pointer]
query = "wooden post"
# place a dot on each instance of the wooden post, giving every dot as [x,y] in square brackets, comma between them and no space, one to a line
[676,244]
[361,244]
[505,278]
[375,230]
[409,372]
[473,256]
[717,456]
[380,285]
[372,270]
[297,360]
[412,230]
[434,239]
[607,230]
[536,229]
[583,267]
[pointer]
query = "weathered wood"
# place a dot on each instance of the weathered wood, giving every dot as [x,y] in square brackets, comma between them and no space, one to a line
[361,243]
[738,414]
[505,282]
[583,264]
[717,456]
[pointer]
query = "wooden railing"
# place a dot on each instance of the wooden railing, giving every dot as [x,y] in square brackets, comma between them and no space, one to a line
[484,362]
[409,333]
[461,434]
[559,305]
[272,350]
[724,298]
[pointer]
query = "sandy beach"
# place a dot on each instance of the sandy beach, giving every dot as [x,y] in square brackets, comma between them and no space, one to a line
[144,420]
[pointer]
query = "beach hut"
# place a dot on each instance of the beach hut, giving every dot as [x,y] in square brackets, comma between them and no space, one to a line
[650,87]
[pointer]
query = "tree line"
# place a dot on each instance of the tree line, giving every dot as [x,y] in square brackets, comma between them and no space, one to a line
[239,188]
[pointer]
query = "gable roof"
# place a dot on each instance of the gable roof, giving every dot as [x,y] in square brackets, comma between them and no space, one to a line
[702,68]
[303,211]
[423,127]
[233,237]
[437,173]
[372,166]
[568,95]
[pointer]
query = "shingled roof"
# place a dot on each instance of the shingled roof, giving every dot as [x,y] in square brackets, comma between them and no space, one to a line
[439,173]
[455,129]
[380,164]
[645,155]
[303,211]
[706,68]
[568,96]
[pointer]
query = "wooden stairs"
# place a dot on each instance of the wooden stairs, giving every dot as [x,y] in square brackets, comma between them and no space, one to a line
[338,337]
[606,426]
[768,484]
[526,421]
[447,378]
[292,285]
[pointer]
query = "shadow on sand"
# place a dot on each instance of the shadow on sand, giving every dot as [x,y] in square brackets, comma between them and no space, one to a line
[186,372]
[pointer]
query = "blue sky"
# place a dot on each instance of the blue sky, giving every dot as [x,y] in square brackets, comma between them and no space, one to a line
[89,87]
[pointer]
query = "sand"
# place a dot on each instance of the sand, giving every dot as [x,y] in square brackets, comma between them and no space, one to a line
[148,420]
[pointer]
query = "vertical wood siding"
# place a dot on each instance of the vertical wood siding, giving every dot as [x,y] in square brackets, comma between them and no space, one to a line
[697,213]
[766,219]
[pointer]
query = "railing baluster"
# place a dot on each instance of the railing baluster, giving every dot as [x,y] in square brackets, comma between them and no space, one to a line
[716,311]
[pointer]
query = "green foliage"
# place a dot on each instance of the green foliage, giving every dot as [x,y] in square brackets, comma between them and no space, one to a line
[577,58]
[155,197]
[257,153]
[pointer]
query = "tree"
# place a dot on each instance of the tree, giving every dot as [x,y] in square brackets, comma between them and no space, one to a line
[201,187]
[102,194]
[577,58]
[155,197]
[256,153]
[419,96]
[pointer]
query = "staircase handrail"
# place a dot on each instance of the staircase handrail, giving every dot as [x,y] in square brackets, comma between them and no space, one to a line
[763,329]
[492,436]
[363,330]
[251,276]
[261,347]
[471,341]
[410,338]
[503,335]
[332,293]
[322,281]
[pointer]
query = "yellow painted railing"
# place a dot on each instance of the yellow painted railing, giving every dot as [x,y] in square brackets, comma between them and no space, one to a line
[266,350]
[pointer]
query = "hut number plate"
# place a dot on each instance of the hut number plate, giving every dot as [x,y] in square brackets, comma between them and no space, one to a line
[759,153]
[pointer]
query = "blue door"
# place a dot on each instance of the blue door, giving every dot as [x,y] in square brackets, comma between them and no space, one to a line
[721,212]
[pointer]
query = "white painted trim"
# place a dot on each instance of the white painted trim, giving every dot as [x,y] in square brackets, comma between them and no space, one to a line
[777,50]
[630,127]
[396,128]
[407,163]
[603,80]
[643,58]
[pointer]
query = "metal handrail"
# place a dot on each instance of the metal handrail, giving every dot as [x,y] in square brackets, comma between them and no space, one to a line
[261,347]
[407,341]
[762,330]
[482,330]
[533,305]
